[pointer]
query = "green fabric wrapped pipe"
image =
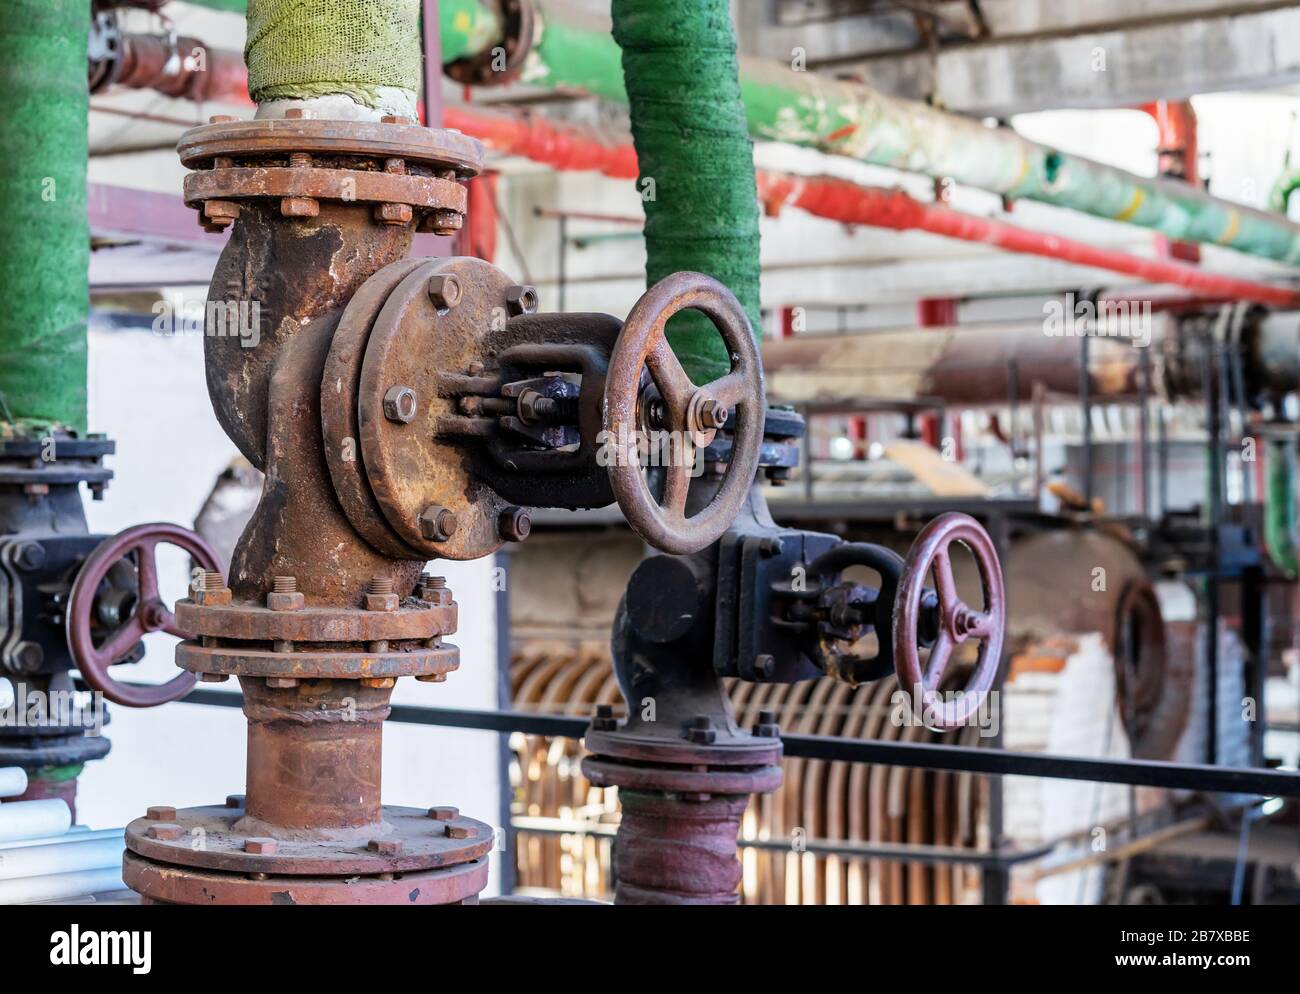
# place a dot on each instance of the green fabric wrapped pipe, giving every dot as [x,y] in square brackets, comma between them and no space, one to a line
[697,164]
[1280,502]
[44,233]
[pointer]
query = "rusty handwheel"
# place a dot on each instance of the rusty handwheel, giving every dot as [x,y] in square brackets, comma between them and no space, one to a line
[690,415]
[93,653]
[956,622]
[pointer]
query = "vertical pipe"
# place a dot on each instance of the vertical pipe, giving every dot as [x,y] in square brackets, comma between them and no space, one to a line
[45,238]
[682,79]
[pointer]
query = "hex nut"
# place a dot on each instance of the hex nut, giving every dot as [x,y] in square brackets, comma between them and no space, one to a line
[393,213]
[164,832]
[261,847]
[385,847]
[444,813]
[521,300]
[459,832]
[278,600]
[444,291]
[234,800]
[161,812]
[400,404]
[213,677]
[212,598]
[299,207]
[382,602]
[437,524]
[713,413]
[514,524]
[281,682]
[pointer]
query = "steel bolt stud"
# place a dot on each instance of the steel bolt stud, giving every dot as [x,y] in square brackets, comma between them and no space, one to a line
[400,404]
[437,524]
[604,720]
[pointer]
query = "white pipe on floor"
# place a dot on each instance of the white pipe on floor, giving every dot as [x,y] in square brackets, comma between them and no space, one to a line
[34,819]
[13,780]
[63,857]
[61,886]
[77,833]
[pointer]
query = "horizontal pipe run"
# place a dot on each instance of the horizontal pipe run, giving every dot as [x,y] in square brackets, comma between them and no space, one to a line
[61,886]
[33,819]
[76,855]
[955,759]
[13,779]
[847,202]
[579,148]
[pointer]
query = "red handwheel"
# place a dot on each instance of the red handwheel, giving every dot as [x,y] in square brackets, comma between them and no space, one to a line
[148,613]
[957,621]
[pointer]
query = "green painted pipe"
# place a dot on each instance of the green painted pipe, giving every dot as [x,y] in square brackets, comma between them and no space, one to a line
[697,164]
[1280,503]
[44,234]
[1279,198]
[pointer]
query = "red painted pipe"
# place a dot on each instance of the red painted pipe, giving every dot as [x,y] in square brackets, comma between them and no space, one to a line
[849,203]
[576,147]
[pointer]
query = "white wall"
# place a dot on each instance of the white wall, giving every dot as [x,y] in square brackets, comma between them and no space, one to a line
[148,393]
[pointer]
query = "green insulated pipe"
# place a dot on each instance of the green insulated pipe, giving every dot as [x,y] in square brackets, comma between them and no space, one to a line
[44,233]
[697,165]
[1279,502]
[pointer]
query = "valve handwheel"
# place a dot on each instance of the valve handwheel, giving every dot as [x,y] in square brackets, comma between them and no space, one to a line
[148,614]
[691,414]
[957,621]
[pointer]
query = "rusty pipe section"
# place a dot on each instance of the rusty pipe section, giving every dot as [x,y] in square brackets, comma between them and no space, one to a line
[994,364]
[316,621]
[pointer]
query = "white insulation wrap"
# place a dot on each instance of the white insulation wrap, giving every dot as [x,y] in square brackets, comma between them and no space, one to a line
[33,819]
[13,781]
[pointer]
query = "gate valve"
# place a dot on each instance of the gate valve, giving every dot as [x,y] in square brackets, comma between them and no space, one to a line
[957,622]
[690,414]
[93,650]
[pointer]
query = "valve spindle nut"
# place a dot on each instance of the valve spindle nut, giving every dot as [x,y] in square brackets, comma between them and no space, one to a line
[437,524]
[514,524]
[521,300]
[400,404]
[284,595]
[444,291]
[713,413]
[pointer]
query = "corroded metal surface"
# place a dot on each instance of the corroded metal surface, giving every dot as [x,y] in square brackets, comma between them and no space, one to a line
[163,883]
[147,612]
[689,412]
[411,466]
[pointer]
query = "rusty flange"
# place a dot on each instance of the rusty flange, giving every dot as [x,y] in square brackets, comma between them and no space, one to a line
[414,619]
[410,173]
[223,838]
[432,322]
[164,884]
